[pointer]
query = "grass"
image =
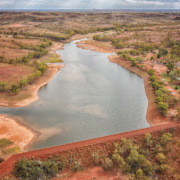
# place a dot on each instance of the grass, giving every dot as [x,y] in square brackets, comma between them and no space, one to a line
[5,142]
[53,58]
[13,150]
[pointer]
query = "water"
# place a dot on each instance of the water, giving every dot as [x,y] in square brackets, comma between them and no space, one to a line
[90,97]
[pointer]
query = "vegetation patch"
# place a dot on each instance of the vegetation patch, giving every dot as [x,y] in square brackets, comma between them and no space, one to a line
[5,142]
[13,150]
[52,58]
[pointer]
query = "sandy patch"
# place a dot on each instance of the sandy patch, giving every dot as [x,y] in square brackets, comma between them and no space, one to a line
[56,46]
[20,135]
[94,47]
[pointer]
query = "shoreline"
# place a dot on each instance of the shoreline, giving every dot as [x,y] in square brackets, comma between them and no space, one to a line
[11,129]
[33,91]
[153,116]
[20,126]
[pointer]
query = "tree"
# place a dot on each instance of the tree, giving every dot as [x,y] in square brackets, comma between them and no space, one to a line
[133,62]
[152,78]
[151,72]
[163,108]
[163,51]
[158,100]
[158,93]
[23,82]
[170,66]
[14,88]
[173,75]
[138,59]
[3,86]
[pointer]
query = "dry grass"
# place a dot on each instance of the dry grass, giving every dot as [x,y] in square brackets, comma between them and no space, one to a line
[10,73]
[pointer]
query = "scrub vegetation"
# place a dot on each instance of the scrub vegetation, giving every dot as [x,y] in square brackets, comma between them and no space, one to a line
[150,156]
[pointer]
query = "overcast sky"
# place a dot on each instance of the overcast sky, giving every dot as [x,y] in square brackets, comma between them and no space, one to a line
[82,4]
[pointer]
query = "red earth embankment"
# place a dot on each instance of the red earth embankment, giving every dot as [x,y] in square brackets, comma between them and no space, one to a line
[7,165]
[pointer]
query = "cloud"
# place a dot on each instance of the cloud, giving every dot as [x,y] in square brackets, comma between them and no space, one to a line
[99,4]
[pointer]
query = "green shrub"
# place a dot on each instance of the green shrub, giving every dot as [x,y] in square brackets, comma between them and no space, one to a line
[166,138]
[139,173]
[160,158]
[151,72]
[163,108]
[152,78]
[5,142]
[106,163]
[158,100]
[133,62]
[36,169]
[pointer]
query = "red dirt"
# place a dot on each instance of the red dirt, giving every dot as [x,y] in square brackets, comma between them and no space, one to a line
[13,53]
[96,173]
[7,165]
[10,73]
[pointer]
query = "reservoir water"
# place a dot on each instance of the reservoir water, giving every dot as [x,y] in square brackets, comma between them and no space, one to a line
[90,97]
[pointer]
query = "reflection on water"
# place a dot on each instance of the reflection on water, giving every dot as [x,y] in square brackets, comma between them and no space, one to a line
[90,97]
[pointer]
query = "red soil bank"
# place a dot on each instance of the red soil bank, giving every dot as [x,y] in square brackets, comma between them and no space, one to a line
[7,165]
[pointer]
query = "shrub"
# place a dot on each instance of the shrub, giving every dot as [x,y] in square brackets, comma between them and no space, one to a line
[163,108]
[160,158]
[138,59]
[151,72]
[166,138]
[139,173]
[5,142]
[158,100]
[77,165]
[148,140]
[14,88]
[36,169]
[163,51]
[4,86]
[95,157]
[152,78]
[117,158]
[106,163]
[159,93]
[133,62]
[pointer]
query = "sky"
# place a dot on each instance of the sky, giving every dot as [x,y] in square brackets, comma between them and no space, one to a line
[89,4]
